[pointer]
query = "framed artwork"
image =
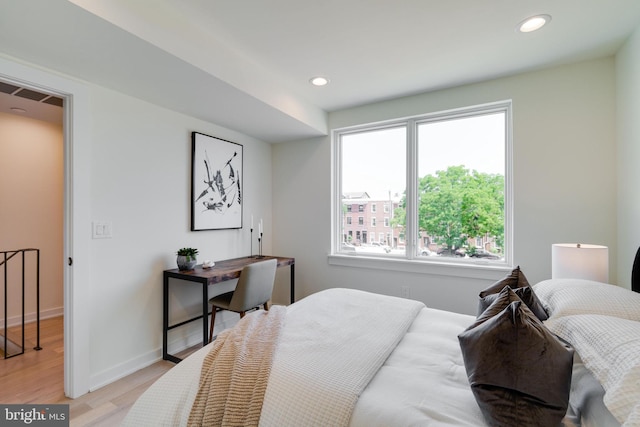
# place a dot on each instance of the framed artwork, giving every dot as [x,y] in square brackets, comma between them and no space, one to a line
[216,183]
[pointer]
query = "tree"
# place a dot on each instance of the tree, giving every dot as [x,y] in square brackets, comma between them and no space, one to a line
[457,204]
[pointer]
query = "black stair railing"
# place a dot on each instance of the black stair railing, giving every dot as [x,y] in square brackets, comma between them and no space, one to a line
[5,257]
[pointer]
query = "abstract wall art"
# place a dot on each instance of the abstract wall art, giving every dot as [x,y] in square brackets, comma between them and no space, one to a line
[216,186]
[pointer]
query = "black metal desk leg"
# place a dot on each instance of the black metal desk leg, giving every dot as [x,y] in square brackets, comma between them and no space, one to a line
[205,311]
[293,284]
[165,316]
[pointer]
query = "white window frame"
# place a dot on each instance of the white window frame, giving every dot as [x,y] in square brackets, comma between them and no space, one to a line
[409,262]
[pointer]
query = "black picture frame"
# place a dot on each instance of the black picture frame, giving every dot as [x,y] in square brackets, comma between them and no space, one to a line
[216,183]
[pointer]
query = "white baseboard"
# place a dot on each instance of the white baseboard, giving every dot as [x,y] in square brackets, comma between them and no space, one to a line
[32,317]
[187,340]
[121,370]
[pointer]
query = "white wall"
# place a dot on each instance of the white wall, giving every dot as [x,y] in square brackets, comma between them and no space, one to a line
[628,112]
[141,183]
[31,181]
[564,180]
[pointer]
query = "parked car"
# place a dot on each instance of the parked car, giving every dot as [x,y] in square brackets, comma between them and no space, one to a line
[481,253]
[461,252]
[386,248]
[348,247]
[427,252]
[373,249]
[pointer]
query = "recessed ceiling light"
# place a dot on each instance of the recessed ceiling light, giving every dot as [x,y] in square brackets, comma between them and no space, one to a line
[533,23]
[18,110]
[319,81]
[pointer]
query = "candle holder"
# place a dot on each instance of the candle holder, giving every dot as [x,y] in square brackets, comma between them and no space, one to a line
[260,247]
[251,243]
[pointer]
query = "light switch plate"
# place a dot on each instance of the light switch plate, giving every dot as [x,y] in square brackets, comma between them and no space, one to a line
[102,230]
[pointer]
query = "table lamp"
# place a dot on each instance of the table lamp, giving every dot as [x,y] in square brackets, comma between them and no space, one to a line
[580,261]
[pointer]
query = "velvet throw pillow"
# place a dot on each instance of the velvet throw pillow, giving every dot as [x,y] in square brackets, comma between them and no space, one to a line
[517,281]
[519,372]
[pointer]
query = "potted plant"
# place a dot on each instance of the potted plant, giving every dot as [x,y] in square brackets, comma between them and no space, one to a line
[187,258]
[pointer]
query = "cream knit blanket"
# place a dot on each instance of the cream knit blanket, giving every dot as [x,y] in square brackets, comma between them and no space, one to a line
[234,374]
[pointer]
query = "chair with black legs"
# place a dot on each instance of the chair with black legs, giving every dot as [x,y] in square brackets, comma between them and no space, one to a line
[253,290]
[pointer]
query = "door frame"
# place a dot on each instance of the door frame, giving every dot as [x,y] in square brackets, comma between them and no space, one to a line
[77,211]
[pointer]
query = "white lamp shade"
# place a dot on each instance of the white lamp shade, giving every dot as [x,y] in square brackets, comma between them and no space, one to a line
[580,261]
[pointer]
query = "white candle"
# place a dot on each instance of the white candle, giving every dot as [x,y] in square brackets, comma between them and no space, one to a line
[252,222]
[260,225]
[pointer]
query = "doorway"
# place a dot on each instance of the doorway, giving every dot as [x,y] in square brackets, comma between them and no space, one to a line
[31,219]
[76,217]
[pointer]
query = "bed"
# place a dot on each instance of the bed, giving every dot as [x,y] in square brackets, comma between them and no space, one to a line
[348,357]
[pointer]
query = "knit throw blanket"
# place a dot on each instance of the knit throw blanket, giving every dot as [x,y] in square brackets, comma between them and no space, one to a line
[234,374]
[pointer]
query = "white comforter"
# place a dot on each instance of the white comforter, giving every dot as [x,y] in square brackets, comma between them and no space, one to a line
[332,345]
[422,382]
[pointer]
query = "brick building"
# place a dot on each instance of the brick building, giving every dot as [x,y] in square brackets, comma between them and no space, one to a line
[367,220]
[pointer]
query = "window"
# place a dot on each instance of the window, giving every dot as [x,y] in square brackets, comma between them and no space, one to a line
[360,220]
[373,208]
[442,179]
[348,208]
[360,208]
[348,220]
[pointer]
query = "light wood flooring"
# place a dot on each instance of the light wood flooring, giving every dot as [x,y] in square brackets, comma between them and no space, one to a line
[37,377]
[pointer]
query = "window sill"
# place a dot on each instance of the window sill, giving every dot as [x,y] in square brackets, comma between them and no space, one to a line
[472,270]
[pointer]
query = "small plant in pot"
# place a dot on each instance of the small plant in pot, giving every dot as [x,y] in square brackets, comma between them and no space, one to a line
[187,258]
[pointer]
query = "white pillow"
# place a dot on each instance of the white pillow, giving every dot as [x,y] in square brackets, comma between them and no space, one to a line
[610,348]
[565,297]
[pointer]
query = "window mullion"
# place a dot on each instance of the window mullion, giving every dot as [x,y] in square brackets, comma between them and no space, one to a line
[411,231]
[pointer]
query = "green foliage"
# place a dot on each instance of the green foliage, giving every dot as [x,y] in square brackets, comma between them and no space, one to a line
[190,253]
[457,204]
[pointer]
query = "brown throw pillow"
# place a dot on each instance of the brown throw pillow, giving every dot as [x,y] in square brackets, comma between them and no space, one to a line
[519,372]
[517,281]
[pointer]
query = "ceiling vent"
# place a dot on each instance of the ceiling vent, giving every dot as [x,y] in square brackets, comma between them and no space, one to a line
[30,94]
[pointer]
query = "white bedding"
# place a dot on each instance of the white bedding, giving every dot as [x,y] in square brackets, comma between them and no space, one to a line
[315,380]
[422,381]
[610,349]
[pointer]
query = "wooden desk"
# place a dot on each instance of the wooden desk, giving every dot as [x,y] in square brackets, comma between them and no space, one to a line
[223,270]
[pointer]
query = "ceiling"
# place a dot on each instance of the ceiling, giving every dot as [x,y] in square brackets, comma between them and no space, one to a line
[246,65]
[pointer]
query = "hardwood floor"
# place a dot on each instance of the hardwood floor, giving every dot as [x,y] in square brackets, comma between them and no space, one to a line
[37,377]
